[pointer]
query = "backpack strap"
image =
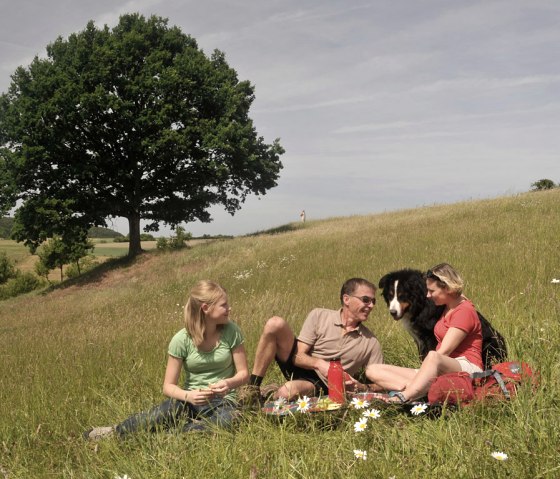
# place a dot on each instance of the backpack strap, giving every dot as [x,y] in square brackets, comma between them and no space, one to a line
[497,376]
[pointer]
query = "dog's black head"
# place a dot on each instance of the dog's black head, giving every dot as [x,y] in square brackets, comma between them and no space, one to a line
[404,292]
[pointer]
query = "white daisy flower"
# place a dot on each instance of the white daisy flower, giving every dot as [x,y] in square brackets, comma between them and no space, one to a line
[500,456]
[280,402]
[418,409]
[358,403]
[122,477]
[359,454]
[554,280]
[371,413]
[303,404]
[361,425]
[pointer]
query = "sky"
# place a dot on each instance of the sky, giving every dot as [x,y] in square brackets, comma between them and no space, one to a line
[380,105]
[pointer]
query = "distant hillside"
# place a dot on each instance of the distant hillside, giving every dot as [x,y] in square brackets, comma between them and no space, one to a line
[97,232]
[6,224]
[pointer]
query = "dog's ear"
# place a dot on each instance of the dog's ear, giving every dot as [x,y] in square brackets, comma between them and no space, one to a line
[383,281]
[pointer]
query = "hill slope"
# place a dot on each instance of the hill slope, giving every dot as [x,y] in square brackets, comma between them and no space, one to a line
[93,354]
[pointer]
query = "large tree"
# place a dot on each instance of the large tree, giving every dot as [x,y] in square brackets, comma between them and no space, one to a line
[134,122]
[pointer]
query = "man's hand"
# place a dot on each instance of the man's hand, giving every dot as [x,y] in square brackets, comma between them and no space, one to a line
[322,367]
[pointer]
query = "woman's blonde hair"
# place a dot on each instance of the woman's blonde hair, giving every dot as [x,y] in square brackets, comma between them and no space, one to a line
[447,277]
[204,292]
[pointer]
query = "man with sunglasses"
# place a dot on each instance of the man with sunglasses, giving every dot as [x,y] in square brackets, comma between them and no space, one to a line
[325,334]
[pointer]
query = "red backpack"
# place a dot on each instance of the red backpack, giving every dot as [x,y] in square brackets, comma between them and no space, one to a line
[500,383]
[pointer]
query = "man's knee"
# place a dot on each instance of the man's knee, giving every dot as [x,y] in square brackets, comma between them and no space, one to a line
[275,325]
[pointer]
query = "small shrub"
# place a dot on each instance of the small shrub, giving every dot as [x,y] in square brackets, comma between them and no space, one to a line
[175,242]
[21,284]
[86,263]
[162,243]
[7,268]
[544,184]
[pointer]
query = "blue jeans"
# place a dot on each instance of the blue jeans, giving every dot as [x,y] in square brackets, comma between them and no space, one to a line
[173,413]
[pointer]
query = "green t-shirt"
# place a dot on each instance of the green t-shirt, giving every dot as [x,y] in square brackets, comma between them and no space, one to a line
[204,368]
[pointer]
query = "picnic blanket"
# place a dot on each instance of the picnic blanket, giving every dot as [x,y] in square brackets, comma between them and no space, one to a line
[281,407]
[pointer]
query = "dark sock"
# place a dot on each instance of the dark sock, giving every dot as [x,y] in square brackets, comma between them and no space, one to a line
[255,380]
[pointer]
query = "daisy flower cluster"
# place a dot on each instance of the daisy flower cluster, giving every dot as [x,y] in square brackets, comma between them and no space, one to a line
[240,275]
[286,260]
[361,424]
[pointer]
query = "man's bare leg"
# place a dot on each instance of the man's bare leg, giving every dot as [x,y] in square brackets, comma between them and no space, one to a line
[293,389]
[277,340]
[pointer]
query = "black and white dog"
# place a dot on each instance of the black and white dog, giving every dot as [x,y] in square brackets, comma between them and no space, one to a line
[405,293]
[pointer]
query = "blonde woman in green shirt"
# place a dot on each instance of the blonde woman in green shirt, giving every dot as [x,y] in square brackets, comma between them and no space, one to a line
[211,352]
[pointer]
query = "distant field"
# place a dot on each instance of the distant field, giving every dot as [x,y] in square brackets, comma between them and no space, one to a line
[110,249]
[16,251]
[104,249]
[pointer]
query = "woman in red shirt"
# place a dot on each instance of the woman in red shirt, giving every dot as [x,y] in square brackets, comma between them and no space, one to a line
[458,333]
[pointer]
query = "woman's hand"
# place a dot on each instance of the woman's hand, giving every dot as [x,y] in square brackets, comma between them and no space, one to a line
[199,397]
[221,388]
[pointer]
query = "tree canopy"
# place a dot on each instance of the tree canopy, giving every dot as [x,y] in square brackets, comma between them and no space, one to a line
[544,184]
[134,122]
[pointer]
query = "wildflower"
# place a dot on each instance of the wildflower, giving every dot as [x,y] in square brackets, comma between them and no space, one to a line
[122,477]
[279,403]
[359,403]
[239,275]
[372,413]
[554,280]
[303,404]
[359,454]
[361,425]
[418,409]
[500,456]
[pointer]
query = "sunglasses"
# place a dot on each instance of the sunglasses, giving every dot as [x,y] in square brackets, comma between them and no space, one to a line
[365,299]
[431,275]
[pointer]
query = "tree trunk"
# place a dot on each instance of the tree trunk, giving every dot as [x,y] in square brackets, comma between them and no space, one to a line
[134,246]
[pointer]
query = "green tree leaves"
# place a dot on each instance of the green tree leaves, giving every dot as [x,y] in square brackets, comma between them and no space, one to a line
[544,184]
[135,122]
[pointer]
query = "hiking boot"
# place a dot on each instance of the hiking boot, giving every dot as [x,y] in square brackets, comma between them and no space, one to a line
[249,396]
[98,433]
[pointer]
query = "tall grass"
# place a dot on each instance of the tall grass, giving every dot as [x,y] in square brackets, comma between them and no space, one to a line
[92,354]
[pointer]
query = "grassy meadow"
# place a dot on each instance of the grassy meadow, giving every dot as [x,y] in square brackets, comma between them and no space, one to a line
[94,352]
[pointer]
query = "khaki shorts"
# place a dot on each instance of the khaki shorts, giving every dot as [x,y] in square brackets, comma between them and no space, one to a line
[467,366]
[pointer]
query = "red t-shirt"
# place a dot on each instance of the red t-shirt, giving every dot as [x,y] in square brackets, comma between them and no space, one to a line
[463,317]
